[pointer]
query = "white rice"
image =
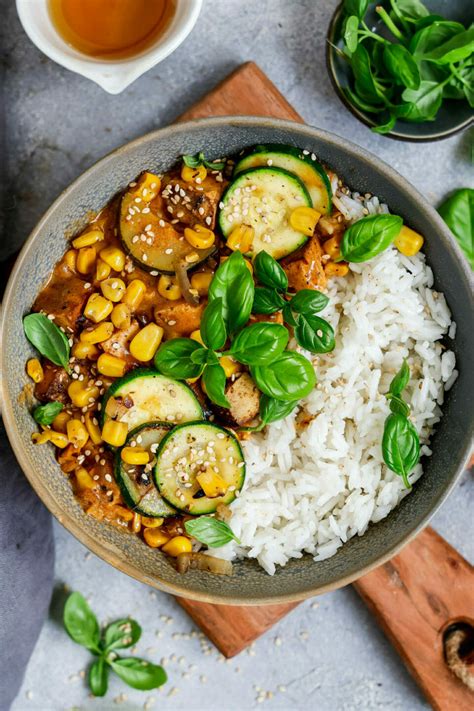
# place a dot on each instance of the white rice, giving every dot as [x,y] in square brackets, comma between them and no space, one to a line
[311,489]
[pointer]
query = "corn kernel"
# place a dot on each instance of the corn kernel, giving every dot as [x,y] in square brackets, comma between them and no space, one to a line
[201,282]
[97,308]
[168,288]
[154,537]
[60,422]
[40,437]
[102,270]
[92,428]
[113,289]
[144,345]
[85,260]
[134,293]
[88,238]
[304,219]
[331,247]
[121,316]
[336,270]
[136,523]
[149,522]
[81,351]
[70,259]
[230,366]
[82,395]
[199,237]
[178,545]
[134,455]
[115,433]
[189,175]
[241,238]
[408,242]
[114,257]
[58,439]
[98,334]
[84,479]
[123,513]
[77,433]
[148,186]
[111,366]
[35,370]
[212,484]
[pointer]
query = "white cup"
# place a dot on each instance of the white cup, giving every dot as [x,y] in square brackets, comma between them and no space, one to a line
[113,75]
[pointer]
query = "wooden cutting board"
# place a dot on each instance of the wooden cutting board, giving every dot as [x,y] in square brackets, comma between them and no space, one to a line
[419,593]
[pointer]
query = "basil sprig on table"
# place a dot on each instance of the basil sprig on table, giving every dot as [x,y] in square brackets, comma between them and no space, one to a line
[400,442]
[458,213]
[194,161]
[45,414]
[47,338]
[369,236]
[426,60]
[83,627]
[210,531]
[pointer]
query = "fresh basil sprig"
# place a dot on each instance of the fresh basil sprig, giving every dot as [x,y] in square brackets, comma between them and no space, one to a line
[175,358]
[458,213]
[369,236]
[210,531]
[267,301]
[45,414]
[289,377]
[233,283]
[314,334]
[269,272]
[214,382]
[83,627]
[48,339]
[212,326]
[400,442]
[259,344]
[194,161]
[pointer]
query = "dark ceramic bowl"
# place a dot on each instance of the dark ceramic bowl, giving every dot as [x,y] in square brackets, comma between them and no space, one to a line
[250,584]
[452,117]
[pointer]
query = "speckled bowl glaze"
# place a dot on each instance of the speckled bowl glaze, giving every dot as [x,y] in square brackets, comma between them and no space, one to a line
[249,584]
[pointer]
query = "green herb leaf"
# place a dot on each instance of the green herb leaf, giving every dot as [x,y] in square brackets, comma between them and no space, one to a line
[400,446]
[369,236]
[288,316]
[210,531]
[398,406]
[138,673]
[234,284]
[411,9]
[401,379]
[272,410]
[314,334]
[45,414]
[199,159]
[267,301]
[269,272]
[429,38]
[260,343]
[351,33]
[308,301]
[121,634]
[212,327]
[366,106]
[455,49]
[401,65]
[80,622]
[290,377]
[47,338]
[366,84]
[98,677]
[356,7]
[458,213]
[422,104]
[200,356]
[214,381]
[386,127]
[173,358]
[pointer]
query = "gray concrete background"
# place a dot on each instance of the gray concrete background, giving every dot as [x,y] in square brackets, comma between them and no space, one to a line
[329,653]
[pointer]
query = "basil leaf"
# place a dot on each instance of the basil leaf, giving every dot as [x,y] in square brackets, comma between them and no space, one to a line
[80,622]
[455,49]
[290,377]
[308,301]
[268,272]
[212,327]
[356,7]
[401,65]
[400,380]
[366,84]
[400,446]
[138,673]
[411,9]
[199,159]
[353,98]
[288,315]
[260,343]
[47,338]
[429,38]
[458,213]
[200,355]
[369,236]
[214,382]
[99,677]
[45,414]
[351,33]
[272,410]
[233,283]
[173,358]
[210,531]
[192,161]
[398,406]
[314,334]
[385,127]
[267,301]
[121,634]
[422,104]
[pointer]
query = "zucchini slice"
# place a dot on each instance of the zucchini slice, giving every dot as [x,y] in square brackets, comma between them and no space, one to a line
[136,482]
[143,395]
[150,247]
[293,159]
[198,456]
[264,198]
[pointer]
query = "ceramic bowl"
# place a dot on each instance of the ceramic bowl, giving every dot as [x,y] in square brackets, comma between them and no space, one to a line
[453,116]
[250,584]
[113,75]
